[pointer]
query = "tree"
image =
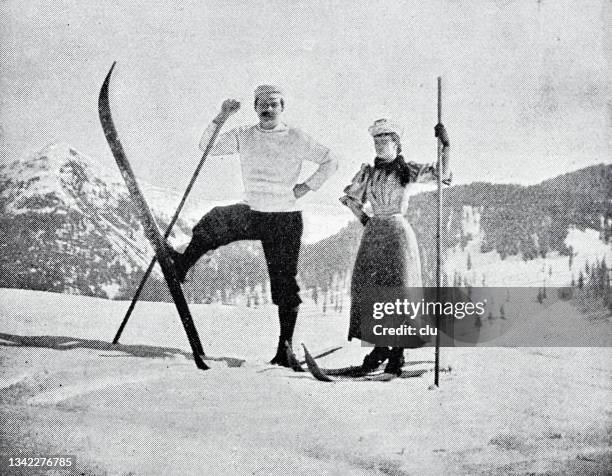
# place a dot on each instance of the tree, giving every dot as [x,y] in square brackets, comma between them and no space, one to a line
[604,275]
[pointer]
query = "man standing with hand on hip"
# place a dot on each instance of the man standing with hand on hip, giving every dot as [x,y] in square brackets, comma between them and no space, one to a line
[271,156]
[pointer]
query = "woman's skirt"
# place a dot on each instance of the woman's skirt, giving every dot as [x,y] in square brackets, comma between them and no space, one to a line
[387,266]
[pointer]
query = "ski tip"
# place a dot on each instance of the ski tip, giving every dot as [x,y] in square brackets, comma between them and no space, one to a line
[110,72]
[313,367]
[103,106]
[108,76]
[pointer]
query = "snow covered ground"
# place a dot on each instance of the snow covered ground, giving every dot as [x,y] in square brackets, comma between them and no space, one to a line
[144,409]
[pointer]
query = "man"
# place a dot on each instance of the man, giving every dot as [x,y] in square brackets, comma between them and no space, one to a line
[271,156]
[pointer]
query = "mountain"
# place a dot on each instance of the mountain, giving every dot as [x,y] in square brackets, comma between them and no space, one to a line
[67,225]
[497,227]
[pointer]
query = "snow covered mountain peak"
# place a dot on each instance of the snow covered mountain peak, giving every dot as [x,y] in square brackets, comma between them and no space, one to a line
[53,179]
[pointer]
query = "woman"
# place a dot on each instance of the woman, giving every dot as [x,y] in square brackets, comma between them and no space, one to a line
[388,256]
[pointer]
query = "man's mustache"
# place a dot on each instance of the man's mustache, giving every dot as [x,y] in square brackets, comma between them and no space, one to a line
[267,114]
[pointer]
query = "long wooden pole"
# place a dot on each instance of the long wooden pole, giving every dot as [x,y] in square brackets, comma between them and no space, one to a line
[438,241]
[143,281]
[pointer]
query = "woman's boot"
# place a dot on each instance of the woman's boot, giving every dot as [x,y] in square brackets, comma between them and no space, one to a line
[396,361]
[374,359]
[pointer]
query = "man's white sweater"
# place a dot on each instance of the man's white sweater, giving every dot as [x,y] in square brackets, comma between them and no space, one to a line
[271,162]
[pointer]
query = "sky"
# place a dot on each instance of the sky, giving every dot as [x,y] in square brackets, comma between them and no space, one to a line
[525,84]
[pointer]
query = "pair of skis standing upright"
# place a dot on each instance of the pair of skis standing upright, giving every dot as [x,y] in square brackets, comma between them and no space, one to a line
[163,257]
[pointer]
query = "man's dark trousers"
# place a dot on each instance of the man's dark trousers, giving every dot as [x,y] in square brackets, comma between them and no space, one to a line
[280,234]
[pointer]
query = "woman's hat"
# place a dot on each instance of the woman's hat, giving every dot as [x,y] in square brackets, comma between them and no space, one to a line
[384,126]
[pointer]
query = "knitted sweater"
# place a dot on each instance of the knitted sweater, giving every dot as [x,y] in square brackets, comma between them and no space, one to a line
[271,162]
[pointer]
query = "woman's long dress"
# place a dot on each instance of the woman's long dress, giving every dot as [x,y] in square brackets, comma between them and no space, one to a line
[388,256]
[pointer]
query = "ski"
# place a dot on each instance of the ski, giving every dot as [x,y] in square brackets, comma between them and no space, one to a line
[354,373]
[296,366]
[319,355]
[323,353]
[314,368]
[355,370]
[148,222]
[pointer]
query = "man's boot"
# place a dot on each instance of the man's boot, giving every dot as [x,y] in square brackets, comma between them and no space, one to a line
[285,357]
[184,261]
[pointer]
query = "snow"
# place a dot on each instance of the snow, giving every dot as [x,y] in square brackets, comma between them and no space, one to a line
[127,410]
[321,221]
[111,289]
[513,271]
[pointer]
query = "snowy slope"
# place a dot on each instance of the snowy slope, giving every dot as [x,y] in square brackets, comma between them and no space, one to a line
[126,411]
[554,270]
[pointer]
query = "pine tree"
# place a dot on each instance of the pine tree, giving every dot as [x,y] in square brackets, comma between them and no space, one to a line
[603,274]
[593,281]
[264,291]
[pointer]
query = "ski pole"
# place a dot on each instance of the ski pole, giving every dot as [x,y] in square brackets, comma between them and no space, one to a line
[438,237]
[143,281]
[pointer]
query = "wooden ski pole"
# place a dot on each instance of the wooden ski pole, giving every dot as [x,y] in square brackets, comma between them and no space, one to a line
[143,281]
[438,239]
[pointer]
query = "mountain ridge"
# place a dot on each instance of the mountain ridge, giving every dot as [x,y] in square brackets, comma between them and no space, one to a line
[68,225]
